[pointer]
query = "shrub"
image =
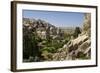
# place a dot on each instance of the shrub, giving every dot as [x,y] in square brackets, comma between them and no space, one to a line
[76,32]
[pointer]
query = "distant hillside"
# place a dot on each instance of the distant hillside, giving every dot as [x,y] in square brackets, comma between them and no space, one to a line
[41,27]
[41,23]
[68,30]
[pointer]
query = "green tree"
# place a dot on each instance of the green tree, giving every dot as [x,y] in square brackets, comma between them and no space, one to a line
[77,32]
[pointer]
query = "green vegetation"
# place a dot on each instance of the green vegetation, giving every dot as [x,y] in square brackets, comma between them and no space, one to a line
[77,32]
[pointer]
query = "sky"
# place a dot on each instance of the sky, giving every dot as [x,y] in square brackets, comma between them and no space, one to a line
[57,18]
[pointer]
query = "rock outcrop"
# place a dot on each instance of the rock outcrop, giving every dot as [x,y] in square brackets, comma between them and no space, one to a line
[78,48]
[42,28]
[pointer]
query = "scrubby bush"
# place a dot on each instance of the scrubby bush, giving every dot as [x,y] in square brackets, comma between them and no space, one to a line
[48,49]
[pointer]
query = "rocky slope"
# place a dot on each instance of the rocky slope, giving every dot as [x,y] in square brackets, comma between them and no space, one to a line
[78,48]
[42,28]
[35,34]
